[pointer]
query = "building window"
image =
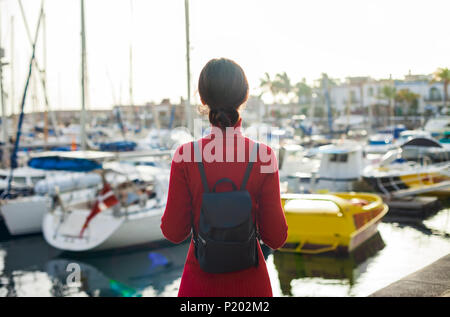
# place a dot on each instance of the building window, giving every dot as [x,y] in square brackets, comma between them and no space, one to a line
[353,96]
[435,94]
[370,92]
[341,158]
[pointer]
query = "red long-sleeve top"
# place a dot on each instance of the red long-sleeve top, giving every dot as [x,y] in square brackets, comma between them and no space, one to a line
[184,201]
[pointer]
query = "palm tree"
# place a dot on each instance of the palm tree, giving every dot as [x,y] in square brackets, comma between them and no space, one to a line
[302,89]
[388,92]
[408,99]
[283,83]
[268,85]
[443,75]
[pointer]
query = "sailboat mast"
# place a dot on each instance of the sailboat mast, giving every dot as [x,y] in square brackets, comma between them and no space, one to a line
[44,72]
[130,83]
[11,67]
[40,72]
[189,123]
[83,80]
[328,103]
[2,100]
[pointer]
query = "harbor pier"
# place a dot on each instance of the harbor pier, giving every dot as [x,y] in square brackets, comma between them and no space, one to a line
[431,281]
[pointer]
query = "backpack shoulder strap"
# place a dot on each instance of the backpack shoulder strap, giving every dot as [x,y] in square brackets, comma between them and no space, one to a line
[201,168]
[253,157]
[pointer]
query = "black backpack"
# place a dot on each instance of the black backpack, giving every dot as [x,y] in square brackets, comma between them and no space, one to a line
[227,239]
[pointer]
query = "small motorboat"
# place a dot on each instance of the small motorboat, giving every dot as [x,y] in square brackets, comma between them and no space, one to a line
[394,174]
[333,167]
[379,143]
[331,223]
[408,135]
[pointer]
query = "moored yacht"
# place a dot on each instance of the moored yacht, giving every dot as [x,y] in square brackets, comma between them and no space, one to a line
[332,167]
[125,211]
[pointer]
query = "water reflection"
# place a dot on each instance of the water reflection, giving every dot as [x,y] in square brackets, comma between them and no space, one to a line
[292,266]
[132,273]
[30,267]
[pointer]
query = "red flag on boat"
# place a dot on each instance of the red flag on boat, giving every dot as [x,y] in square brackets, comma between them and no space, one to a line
[105,200]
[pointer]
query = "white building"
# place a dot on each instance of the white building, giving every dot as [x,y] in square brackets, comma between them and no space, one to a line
[362,92]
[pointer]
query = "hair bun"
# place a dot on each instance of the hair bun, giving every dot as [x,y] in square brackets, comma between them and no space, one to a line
[223,117]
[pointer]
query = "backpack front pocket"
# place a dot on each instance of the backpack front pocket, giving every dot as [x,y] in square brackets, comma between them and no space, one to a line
[221,257]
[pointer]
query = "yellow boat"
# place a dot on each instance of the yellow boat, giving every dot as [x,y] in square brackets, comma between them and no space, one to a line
[337,222]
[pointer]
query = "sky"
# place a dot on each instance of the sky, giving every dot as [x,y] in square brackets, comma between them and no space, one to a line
[302,38]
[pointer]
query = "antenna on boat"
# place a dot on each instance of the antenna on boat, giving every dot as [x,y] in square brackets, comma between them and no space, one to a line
[83,80]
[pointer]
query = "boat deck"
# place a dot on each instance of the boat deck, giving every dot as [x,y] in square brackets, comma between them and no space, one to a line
[421,190]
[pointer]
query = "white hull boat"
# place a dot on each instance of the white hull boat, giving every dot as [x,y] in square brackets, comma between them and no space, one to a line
[127,214]
[24,215]
[335,169]
[104,232]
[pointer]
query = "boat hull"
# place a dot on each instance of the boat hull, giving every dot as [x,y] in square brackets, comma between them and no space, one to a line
[24,215]
[104,231]
[331,223]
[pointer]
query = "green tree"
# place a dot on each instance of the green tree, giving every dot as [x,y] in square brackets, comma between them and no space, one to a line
[302,90]
[443,75]
[268,85]
[282,84]
[388,93]
[408,100]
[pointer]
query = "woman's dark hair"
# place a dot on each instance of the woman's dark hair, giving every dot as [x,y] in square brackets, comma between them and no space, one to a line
[223,87]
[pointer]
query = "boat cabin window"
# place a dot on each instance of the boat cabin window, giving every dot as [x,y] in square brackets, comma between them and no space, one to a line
[339,158]
[35,179]
[3,176]
[20,180]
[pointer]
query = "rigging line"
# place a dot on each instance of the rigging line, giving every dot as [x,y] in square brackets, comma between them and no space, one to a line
[41,71]
[130,83]
[19,125]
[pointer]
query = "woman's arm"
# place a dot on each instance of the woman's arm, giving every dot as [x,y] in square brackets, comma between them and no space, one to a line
[176,221]
[270,215]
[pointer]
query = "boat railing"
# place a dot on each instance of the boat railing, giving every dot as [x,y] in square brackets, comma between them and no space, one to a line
[424,180]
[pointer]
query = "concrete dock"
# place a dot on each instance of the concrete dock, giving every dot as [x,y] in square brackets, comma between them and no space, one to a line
[431,281]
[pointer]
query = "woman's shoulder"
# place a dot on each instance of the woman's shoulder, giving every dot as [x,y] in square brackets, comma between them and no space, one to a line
[184,153]
[266,156]
[261,145]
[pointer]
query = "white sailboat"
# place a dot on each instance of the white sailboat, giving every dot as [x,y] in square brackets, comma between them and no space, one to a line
[130,213]
[48,178]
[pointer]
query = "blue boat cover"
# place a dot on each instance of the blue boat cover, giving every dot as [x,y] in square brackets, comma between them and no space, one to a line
[119,146]
[64,164]
[379,142]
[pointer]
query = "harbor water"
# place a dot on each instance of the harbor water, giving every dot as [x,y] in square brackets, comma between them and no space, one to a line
[30,267]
